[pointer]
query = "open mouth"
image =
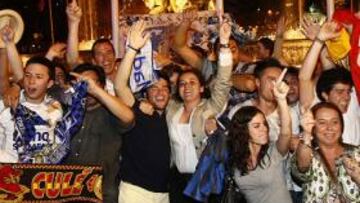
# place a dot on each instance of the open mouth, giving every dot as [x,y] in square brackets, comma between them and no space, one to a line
[31,90]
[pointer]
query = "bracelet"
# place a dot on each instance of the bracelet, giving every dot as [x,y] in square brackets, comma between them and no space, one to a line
[319,40]
[134,49]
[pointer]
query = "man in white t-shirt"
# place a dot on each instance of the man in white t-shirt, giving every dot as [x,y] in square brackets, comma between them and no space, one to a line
[266,73]
[334,85]
[7,152]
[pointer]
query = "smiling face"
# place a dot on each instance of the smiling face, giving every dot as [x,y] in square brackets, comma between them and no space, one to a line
[36,82]
[258,130]
[328,127]
[339,95]
[158,94]
[190,89]
[104,56]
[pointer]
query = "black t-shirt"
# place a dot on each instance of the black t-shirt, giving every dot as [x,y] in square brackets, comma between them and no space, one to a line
[146,152]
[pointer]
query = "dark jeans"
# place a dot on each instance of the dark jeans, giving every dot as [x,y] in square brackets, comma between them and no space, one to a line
[296,196]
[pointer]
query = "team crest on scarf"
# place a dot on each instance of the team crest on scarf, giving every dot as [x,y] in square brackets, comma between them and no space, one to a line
[54,152]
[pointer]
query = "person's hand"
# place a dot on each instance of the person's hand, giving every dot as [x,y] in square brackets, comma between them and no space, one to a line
[146,107]
[307,121]
[189,16]
[7,34]
[225,32]
[56,50]
[11,96]
[210,126]
[73,12]
[310,29]
[352,168]
[137,35]
[281,89]
[328,31]
[294,142]
[92,88]
[162,60]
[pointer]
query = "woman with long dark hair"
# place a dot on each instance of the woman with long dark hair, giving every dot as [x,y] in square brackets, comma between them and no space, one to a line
[326,165]
[257,162]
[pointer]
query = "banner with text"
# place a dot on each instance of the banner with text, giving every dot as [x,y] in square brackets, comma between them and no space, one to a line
[50,183]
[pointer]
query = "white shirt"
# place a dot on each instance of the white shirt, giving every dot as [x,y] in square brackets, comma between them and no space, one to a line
[351,133]
[109,87]
[7,152]
[182,145]
[295,118]
[49,110]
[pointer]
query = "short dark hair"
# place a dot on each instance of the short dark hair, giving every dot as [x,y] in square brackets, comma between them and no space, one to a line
[45,62]
[331,77]
[170,69]
[293,71]
[101,41]
[268,44]
[261,66]
[90,67]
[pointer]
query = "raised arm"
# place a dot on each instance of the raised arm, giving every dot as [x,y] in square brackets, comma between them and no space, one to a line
[326,61]
[280,91]
[56,50]
[7,35]
[221,88]
[306,83]
[114,104]
[74,13]
[4,75]
[304,150]
[244,82]
[281,27]
[180,46]
[137,39]
[330,9]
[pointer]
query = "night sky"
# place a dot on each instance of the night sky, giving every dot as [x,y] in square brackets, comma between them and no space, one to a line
[37,36]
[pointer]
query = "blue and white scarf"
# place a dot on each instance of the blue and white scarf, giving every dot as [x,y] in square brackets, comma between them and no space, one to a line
[51,153]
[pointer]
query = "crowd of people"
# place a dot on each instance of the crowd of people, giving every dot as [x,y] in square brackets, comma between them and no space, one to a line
[293,133]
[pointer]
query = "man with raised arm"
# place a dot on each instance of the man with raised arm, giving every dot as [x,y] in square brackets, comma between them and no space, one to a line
[334,85]
[145,163]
